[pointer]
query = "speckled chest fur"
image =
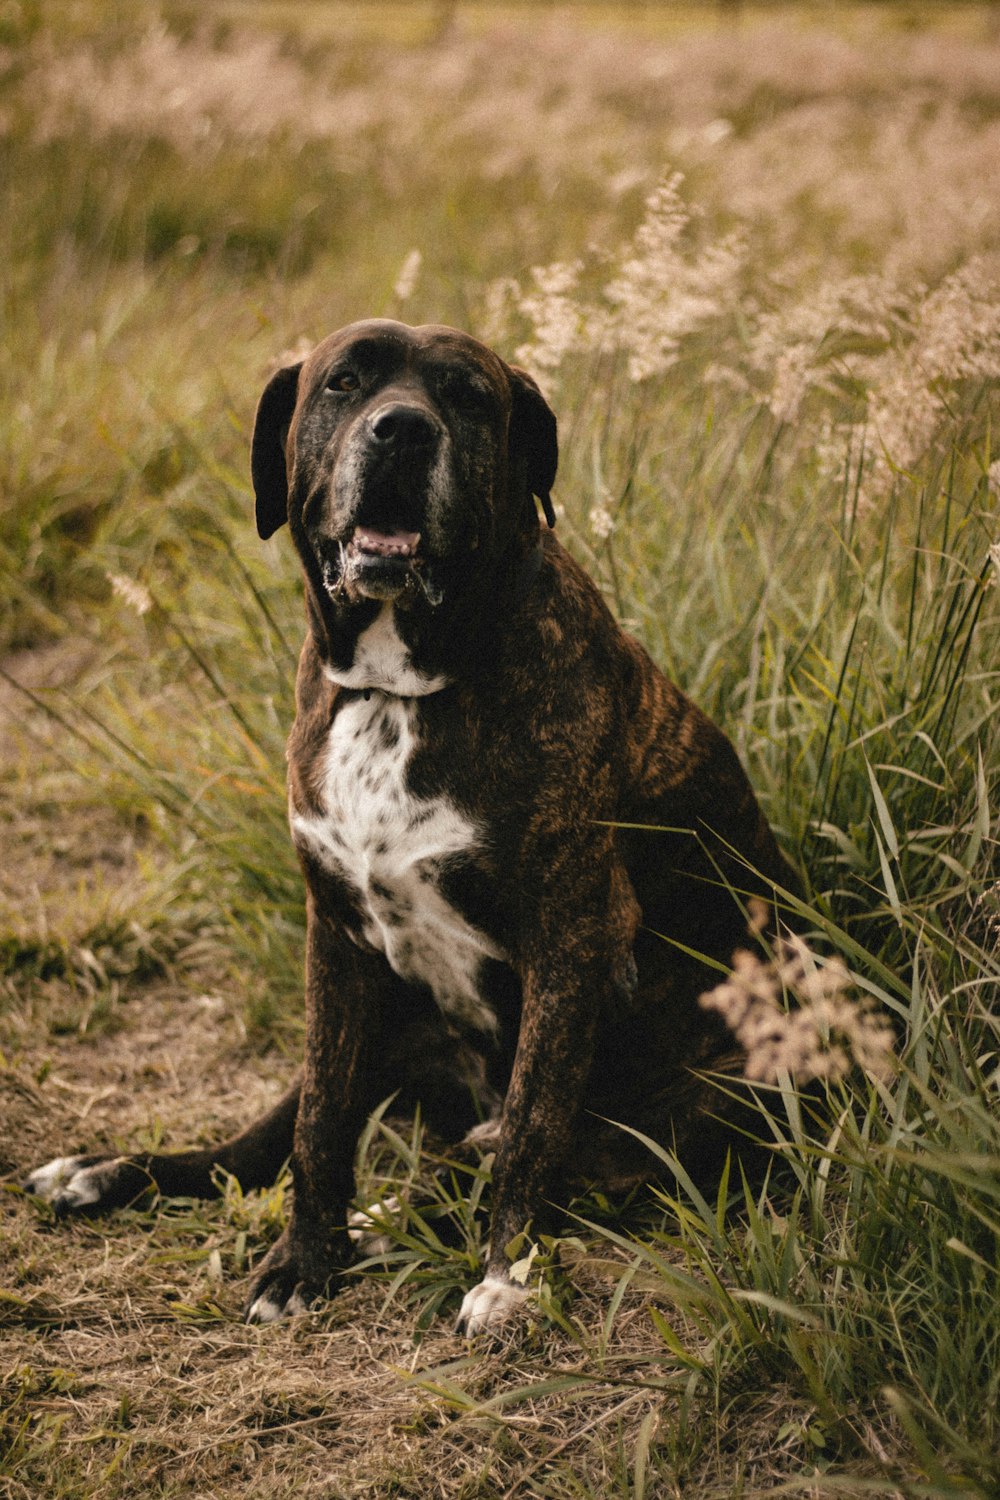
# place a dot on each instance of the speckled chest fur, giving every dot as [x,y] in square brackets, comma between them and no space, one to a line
[390,848]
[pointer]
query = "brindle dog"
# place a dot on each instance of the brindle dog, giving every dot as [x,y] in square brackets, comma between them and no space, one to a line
[478,756]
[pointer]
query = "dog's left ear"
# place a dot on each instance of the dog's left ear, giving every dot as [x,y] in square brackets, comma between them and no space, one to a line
[267,453]
[533,443]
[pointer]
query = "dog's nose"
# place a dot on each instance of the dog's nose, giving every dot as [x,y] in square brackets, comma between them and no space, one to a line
[403,426]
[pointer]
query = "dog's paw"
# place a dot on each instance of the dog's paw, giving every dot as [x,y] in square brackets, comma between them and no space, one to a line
[280,1298]
[282,1286]
[88,1184]
[363,1231]
[495,1301]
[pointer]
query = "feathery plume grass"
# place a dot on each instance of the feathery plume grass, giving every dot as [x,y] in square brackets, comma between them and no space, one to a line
[659,288]
[409,274]
[135,594]
[558,321]
[821,1037]
[662,290]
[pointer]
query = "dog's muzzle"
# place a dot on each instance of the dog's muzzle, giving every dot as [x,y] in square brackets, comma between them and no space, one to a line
[391,473]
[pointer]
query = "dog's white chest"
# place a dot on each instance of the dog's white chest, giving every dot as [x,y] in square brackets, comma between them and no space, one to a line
[390,846]
[382,661]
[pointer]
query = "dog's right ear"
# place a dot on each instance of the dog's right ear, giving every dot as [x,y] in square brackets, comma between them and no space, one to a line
[267,453]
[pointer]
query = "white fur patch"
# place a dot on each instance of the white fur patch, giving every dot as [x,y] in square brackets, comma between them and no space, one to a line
[268,1309]
[489,1304]
[67,1184]
[389,844]
[363,1232]
[382,662]
[46,1181]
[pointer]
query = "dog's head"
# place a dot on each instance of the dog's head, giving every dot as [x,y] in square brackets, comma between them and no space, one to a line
[402,458]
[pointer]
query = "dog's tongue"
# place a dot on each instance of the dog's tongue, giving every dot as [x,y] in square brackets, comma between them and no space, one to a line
[385,543]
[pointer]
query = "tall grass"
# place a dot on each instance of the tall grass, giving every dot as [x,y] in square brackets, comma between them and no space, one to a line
[781,473]
[867,1293]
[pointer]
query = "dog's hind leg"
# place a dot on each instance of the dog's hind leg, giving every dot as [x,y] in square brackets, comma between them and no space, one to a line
[94,1184]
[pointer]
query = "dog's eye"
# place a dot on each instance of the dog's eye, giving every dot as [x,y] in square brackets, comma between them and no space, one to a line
[343,380]
[464,388]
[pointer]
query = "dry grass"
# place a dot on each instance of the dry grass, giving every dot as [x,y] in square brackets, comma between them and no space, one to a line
[125,1370]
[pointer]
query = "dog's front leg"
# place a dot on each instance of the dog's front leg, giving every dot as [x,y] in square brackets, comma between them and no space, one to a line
[345,993]
[573,971]
[553,1058]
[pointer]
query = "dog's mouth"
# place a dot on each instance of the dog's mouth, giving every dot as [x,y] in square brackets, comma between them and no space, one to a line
[376,564]
[392,546]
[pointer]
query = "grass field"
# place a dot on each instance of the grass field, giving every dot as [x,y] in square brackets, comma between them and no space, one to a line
[756,267]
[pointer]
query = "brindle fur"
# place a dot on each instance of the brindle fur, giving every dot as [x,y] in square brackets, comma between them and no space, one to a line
[554,727]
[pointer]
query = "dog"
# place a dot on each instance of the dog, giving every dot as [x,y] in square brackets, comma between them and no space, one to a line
[525,851]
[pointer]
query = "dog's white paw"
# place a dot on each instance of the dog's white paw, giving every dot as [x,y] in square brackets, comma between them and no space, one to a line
[55,1175]
[272,1307]
[73,1184]
[494,1301]
[362,1229]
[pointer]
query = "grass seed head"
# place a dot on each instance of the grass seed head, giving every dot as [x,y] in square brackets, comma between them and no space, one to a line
[821,1037]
